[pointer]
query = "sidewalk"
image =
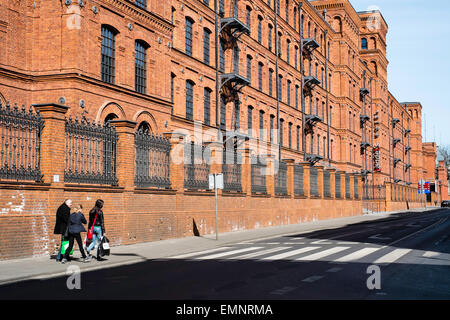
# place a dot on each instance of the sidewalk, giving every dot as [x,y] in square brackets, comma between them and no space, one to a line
[43,267]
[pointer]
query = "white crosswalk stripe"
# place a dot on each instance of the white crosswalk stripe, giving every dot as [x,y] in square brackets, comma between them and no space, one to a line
[392,256]
[259,253]
[227,253]
[357,255]
[193,254]
[290,253]
[322,254]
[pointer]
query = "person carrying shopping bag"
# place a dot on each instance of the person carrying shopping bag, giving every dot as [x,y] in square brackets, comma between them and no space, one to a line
[62,219]
[96,227]
[75,227]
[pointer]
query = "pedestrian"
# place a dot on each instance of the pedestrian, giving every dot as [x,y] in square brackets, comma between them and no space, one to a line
[62,218]
[76,222]
[97,222]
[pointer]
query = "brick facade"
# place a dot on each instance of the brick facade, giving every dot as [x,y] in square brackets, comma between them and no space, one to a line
[52,59]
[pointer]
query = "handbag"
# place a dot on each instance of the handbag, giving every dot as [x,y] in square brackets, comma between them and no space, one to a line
[90,232]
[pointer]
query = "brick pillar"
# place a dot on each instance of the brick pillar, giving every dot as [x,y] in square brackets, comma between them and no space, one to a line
[53,142]
[246,172]
[306,180]
[352,185]
[320,181]
[126,153]
[332,183]
[270,175]
[290,177]
[176,160]
[342,173]
[388,196]
[360,187]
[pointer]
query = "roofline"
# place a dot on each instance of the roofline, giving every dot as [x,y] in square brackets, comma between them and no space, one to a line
[373,11]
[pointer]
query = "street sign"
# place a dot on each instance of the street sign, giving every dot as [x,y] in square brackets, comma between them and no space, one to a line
[218,177]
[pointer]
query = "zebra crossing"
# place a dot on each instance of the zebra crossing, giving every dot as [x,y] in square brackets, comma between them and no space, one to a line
[382,255]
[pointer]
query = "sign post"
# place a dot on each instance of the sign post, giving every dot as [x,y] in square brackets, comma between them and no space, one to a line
[216,182]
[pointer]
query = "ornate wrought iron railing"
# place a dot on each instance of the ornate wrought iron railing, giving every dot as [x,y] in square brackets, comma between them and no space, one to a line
[298,180]
[258,172]
[281,179]
[313,180]
[196,167]
[326,184]
[373,192]
[337,184]
[152,161]
[90,152]
[347,186]
[20,144]
[231,169]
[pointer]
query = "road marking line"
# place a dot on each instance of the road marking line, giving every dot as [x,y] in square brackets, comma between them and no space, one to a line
[336,269]
[272,243]
[259,253]
[312,279]
[198,253]
[283,290]
[357,255]
[392,256]
[376,237]
[322,254]
[290,253]
[321,242]
[227,253]
[419,231]
[431,254]
[293,243]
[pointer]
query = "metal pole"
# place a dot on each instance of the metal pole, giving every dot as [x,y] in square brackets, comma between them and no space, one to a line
[216,26]
[215,192]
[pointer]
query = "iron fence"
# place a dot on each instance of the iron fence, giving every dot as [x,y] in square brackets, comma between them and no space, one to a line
[373,192]
[231,169]
[326,184]
[196,166]
[258,173]
[281,179]
[152,160]
[347,186]
[337,184]
[314,184]
[298,180]
[90,152]
[20,144]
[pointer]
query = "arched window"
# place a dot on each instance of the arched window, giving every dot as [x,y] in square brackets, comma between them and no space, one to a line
[206,45]
[143,127]
[260,19]
[108,54]
[287,11]
[249,68]
[260,73]
[364,44]
[337,24]
[190,99]
[140,66]
[295,18]
[110,117]
[249,16]
[288,43]
[188,35]
[270,37]
[207,106]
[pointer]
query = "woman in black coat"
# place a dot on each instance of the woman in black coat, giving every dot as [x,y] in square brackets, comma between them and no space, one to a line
[76,222]
[62,218]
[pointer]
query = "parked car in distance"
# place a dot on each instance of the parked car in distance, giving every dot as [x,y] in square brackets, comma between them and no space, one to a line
[445,203]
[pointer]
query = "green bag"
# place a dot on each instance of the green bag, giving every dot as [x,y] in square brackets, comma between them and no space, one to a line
[65,245]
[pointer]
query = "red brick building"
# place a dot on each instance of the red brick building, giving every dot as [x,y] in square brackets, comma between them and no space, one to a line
[313,77]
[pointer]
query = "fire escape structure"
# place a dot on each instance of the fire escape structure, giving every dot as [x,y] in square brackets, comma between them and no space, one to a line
[364,120]
[308,84]
[230,82]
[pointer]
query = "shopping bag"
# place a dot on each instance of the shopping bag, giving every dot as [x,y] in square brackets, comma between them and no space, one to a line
[65,245]
[103,248]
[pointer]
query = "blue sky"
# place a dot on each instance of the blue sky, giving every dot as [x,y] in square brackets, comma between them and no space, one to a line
[419,58]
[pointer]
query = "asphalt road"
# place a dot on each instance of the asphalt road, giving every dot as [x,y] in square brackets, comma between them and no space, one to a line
[411,250]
